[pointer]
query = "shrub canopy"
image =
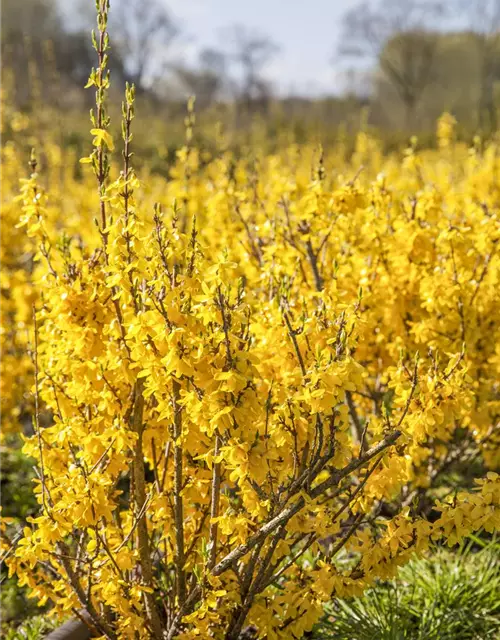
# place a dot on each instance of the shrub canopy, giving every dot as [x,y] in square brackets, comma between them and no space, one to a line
[244,369]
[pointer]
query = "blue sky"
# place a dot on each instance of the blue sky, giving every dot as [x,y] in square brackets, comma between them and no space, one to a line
[307,32]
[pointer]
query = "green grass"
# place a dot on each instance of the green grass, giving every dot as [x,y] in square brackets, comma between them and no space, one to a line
[450,595]
[34,628]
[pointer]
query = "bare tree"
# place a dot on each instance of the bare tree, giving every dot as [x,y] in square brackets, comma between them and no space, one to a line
[398,35]
[484,20]
[251,51]
[144,32]
[207,80]
[39,52]
[32,18]
[355,82]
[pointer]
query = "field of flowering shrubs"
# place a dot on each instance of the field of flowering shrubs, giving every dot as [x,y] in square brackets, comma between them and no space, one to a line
[261,383]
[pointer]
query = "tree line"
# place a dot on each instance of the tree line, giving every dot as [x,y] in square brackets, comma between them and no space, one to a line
[407,60]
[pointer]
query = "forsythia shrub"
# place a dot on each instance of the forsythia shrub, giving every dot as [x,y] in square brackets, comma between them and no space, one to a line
[247,370]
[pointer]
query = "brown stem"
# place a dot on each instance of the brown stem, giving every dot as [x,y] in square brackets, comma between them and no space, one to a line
[139,498]
[293,336]
[178,504]
[313,261]
[45,494]
[241,613]
[357,428]
[286,514]
[99,118]
[97,621]
[214,507]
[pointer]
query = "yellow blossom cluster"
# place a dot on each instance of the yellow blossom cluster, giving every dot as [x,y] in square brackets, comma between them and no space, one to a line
[245,370]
